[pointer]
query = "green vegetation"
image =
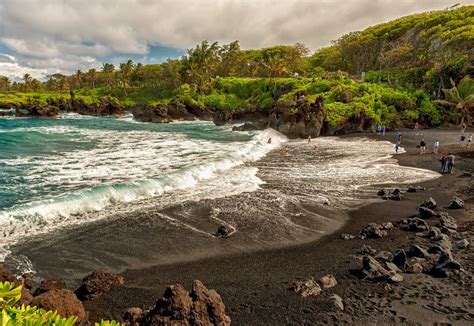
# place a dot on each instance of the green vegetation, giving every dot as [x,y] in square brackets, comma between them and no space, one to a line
[14,315]
[394,73]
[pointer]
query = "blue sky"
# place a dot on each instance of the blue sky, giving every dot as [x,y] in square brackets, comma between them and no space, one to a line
[41,37]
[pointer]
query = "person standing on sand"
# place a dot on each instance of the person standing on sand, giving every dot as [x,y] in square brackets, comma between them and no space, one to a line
[422,146]
[379,130]
[469,139]
[397,146]
[269,141]
[450,160]
[417,128]
[309,139]
[462,139]
[399,137]
[383,130]
[436,146]
[442,162]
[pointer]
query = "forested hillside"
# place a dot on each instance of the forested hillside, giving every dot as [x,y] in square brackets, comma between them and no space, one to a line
[407,66]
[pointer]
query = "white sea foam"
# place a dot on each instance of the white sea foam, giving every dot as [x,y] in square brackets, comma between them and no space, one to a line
[126,167]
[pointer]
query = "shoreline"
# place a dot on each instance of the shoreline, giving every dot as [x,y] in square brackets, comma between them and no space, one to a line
[254,286]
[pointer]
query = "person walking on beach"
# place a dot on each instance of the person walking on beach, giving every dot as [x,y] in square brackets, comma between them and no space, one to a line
[450,160]
[397,147]
[422,146]
[383,130]
[442,162]
[462,139]
[399,137]
[436,146]
[417,128]
[469,139]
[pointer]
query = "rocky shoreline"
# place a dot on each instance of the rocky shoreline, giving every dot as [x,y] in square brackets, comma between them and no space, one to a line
[405,259]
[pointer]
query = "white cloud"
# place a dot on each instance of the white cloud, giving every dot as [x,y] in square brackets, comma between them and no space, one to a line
[43,31]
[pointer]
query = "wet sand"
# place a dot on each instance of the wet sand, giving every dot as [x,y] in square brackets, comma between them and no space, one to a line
[254,284]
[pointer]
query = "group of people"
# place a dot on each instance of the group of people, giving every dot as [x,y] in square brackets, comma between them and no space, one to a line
[436,146]
[446,161]
[381,130]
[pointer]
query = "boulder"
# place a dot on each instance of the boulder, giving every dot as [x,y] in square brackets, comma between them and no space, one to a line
[400,259]
[417,251]
[396,278]
[384,255]
[366,250]
[373,270]
[434,232]
[328,281]
[337,302]
[429,203]
[387,226]
[63,301]
[373,230]
[456,203]
[462,244]
[383,192]
[416,268]
[48,285]
[133,316]
[426,213]
[201,306]
[223,231]
[392,267]
[445,266]
[6,276]
[96,284]
[308,288]
[248,126]
[413,224]
[447,223]
[412,189]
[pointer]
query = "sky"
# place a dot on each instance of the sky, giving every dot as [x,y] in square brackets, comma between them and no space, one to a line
[42,37]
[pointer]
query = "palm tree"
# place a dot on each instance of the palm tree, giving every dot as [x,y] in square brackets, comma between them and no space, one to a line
[78,76]
[461,98]
[92,74]
[27,80]
[4,83]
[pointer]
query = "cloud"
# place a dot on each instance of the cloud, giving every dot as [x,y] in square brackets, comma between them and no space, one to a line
[50,32]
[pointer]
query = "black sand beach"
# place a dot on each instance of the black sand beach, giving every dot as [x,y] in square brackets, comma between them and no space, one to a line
[254,285]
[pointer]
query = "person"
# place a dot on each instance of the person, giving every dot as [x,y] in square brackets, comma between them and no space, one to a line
[422,146]
[399,137]
[379,129]
[383,130]
[463,128]
[397,147]
[462,139]
[269,141]
[450,160]
[436,146]
[309,139]
[469,139]
[417,127]
[442,162]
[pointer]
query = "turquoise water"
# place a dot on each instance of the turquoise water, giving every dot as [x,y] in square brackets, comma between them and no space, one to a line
[52,169]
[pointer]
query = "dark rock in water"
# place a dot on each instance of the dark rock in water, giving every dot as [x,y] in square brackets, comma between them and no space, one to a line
[200,306]
[346,236]
[366,250]
[456,203]
[383,192]
[400,259]
[248,126]
[107,105]
[429,203]
[412,189]
[417,251]
[308,288]
[396,195]
[337,302]
[133,315]
[445,266]
[462,244]
[426,213]
[328,281]
[63,301]
[416,268]
[447,223]
[96,284]
[48,285]
[414,224]
[373,230]
[223,231]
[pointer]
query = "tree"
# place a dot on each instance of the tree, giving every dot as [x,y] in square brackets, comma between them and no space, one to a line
[5,83]
[126,70]
[108,70]
[27,82]
[78,78]
[461,98]
[200,65]
[92,76]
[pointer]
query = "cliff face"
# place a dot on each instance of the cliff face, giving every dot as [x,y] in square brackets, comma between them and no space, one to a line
[175,111]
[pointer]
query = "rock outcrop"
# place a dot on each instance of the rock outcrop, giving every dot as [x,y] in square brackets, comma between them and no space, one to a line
[63,301]
[96,284]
